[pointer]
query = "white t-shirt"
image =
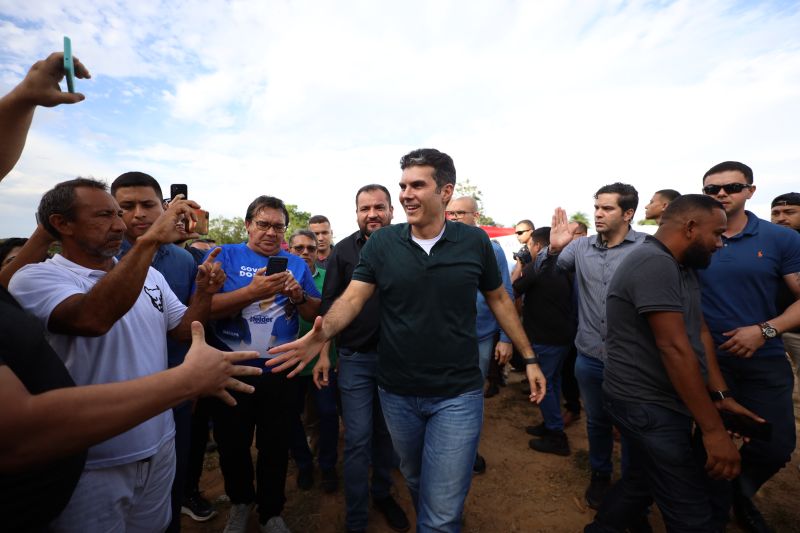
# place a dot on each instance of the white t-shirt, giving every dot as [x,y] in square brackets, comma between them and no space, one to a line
[427,244]
[135,346]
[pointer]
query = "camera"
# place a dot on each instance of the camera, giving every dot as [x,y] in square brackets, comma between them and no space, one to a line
[523,255]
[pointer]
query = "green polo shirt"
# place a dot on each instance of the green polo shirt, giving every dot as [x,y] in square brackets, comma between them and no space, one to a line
[305,327]
[428,345]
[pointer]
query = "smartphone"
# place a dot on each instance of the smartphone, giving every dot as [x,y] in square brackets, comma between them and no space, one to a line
[201,224]
[746,426]
[276,265]
[69,65]
[178,188]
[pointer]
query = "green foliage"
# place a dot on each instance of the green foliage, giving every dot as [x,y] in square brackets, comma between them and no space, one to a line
[646,222]
[580,216]
[227,230]
[466,188]
[297,219]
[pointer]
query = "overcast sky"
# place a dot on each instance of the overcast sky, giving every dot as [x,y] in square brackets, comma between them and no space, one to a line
[539,103]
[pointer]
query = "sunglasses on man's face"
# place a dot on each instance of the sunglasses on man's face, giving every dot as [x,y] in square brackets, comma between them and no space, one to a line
[299,248]
[522,232]
[729,188]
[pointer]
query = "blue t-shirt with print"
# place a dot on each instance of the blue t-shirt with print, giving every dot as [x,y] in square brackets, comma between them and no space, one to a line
[264,324]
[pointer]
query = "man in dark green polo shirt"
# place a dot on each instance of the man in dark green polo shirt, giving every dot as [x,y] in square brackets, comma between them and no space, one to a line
[428,272]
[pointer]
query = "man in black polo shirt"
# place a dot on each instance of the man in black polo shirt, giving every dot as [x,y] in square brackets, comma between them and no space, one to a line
[427,273]
[366,439]
[662,377]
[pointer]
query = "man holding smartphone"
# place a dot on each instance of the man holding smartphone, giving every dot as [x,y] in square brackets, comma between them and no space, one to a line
[260,311]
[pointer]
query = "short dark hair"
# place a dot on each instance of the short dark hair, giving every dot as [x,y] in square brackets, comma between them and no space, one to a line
[688,203]
[319,219]
[9,244]
[444,170]
[136,179]
[628,196]
[526,222]
[305,233]
[668,194]
[789,198]
[372,187]
[265,202]
[731,165]
[582,225]
[541,236]
[60,200]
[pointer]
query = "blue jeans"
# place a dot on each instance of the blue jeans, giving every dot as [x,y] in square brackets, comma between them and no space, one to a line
[366,438]
[485,353]
[325,403]
[763,385]
[667,463]
[551,359]
[436,439]
[589,373]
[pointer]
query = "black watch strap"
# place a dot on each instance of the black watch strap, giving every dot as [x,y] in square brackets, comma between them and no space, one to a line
[531,360]
[719,395]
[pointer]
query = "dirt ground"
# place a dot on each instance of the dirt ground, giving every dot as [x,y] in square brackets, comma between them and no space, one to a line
[521,491]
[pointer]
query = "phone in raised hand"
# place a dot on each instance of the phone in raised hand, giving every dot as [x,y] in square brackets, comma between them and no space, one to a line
[69,65]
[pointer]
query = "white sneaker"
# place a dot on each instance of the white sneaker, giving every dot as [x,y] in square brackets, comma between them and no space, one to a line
[274,525]
[238,517]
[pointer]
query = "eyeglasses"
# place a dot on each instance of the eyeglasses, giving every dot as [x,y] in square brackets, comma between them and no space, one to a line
[458,214]
[299,248]
[522,232]
[266,226]
[729,188]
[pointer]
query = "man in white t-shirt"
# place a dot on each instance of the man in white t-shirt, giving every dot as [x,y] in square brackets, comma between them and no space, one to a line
[108,321]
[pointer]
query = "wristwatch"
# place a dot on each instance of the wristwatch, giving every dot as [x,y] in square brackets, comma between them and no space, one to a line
[301,302]
[719,395]
[531,360]
[768,331]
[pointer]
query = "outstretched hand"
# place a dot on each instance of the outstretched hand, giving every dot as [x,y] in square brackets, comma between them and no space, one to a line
[298,353]
[210,276]
[560,231]
[209,371]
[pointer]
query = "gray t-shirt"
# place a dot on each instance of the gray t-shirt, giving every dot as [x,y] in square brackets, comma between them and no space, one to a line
[648,280]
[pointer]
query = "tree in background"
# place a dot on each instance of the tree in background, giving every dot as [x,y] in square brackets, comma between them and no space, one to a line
[232,231]
[465,188]
[646,222]
[580,216]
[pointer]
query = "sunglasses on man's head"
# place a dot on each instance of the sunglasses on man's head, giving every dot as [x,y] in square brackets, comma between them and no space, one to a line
[730,188]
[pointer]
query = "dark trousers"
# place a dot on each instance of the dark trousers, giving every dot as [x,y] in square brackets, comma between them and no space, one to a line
[198,441]
[269,411]
[325,402]
[569,385]
[183,421]
[763,385]
[666,463]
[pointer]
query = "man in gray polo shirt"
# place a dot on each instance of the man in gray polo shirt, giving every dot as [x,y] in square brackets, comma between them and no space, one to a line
[662,377]
[428,273]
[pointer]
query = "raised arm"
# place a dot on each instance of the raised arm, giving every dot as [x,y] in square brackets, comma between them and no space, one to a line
[39,88]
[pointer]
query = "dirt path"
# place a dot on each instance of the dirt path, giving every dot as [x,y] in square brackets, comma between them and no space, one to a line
[521,491]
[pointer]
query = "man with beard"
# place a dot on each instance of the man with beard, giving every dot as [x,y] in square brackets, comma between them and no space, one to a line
[740,294]
[428,273]
[366,439]
[594,261]
[662,376]
[785,211]
[108,321]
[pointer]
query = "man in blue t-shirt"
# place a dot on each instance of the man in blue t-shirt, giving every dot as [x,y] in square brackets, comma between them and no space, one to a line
[740,291]
[260,312]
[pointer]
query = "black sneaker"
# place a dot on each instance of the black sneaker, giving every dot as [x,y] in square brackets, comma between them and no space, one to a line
[395,516]
[479,466]
[554,442]
[491,391]
[305,478]
[598,488]
[537,431]
[747,514]
[330,481]
[197,508]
